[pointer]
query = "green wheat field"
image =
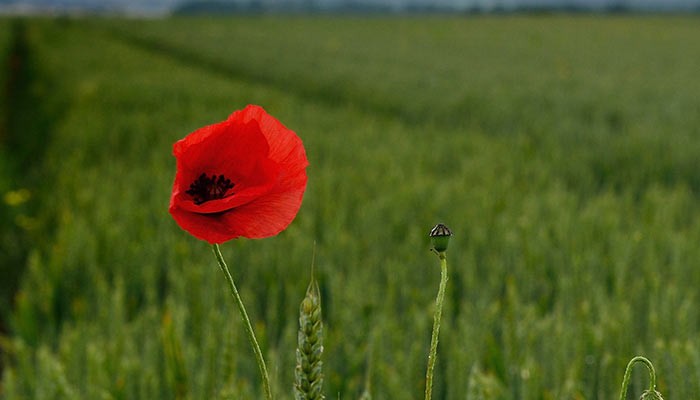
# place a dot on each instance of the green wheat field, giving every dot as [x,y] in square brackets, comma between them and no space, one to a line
[562,151]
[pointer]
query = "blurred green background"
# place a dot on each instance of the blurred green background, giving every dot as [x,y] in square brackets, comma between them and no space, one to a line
[563,152]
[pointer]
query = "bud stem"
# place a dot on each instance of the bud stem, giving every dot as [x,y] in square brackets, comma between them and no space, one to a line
[628,372]
[432,355]
[246,322]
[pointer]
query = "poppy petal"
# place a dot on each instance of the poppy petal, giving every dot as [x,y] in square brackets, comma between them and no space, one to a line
[267,171]
[266,216]
[227,148]
[286,149]
[245,176]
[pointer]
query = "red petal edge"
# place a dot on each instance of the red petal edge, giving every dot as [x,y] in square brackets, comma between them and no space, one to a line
[268,212]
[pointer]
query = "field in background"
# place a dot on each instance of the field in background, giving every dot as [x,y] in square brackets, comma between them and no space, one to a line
[564,152]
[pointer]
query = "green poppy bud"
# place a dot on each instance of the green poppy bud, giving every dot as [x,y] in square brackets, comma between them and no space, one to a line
[440,237]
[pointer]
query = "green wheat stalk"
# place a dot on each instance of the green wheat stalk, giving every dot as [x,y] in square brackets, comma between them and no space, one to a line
[308,374]
[175,361]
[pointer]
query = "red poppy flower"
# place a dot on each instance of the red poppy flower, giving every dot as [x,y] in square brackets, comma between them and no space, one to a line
[245,176]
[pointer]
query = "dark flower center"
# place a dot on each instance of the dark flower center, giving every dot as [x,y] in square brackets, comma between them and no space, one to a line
[206,188]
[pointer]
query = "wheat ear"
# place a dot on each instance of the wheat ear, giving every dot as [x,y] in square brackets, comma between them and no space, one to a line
[308,373]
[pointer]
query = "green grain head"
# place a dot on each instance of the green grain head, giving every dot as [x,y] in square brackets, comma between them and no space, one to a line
[308,374]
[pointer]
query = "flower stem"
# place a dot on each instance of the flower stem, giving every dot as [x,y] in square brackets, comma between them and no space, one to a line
[628,372]
[432,356]
[246,322]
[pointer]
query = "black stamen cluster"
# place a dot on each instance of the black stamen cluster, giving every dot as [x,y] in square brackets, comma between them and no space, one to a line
[206,188]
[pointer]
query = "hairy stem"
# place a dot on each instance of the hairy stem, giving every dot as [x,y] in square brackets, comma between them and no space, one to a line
[246,322]
[432,356]
[628,373]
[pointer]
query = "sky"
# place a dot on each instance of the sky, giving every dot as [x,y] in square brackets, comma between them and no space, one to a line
[163,6]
